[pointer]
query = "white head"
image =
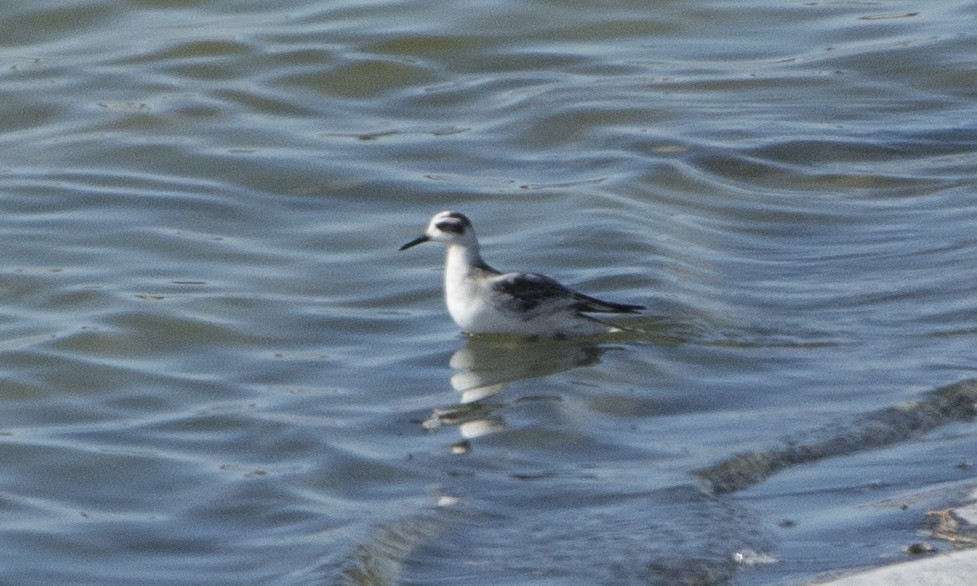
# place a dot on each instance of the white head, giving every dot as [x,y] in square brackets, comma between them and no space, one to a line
[448,227]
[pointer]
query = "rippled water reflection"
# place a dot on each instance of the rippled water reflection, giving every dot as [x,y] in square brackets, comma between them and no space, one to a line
[217,369]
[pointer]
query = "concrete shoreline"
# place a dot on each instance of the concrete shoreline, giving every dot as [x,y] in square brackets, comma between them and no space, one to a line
[952,568]
[957,568]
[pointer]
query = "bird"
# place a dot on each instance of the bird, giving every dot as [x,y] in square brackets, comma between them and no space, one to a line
[482,300]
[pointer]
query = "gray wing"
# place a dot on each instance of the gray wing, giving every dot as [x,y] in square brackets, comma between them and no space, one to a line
[529,291]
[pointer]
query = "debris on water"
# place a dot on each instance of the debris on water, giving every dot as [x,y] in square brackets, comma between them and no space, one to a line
[448,501]
[750,558]
[947,526]
[920,548]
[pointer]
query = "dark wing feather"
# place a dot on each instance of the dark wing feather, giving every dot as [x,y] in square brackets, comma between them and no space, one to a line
[526,291]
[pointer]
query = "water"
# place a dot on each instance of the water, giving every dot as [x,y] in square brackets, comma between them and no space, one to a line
[217,369]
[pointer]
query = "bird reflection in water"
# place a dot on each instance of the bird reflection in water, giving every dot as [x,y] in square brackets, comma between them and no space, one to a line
[486,366]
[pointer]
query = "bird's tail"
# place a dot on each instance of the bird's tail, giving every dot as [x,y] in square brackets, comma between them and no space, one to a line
[594,305]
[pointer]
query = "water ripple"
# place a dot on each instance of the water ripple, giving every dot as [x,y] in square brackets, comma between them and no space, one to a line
[216,367]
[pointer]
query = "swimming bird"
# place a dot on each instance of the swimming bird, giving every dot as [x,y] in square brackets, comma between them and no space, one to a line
[482,300]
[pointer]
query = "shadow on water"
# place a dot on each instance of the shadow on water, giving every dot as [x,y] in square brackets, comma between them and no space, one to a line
[943,406]
[379,561]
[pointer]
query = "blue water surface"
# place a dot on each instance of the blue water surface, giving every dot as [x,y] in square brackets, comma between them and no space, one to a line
[216,368]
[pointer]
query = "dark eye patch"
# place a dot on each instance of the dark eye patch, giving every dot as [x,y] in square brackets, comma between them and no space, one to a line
[453,226]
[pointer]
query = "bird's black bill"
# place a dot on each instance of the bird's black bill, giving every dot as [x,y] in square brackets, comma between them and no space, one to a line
[415,242]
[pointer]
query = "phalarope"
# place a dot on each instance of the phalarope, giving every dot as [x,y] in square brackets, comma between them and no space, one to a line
[482,300]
